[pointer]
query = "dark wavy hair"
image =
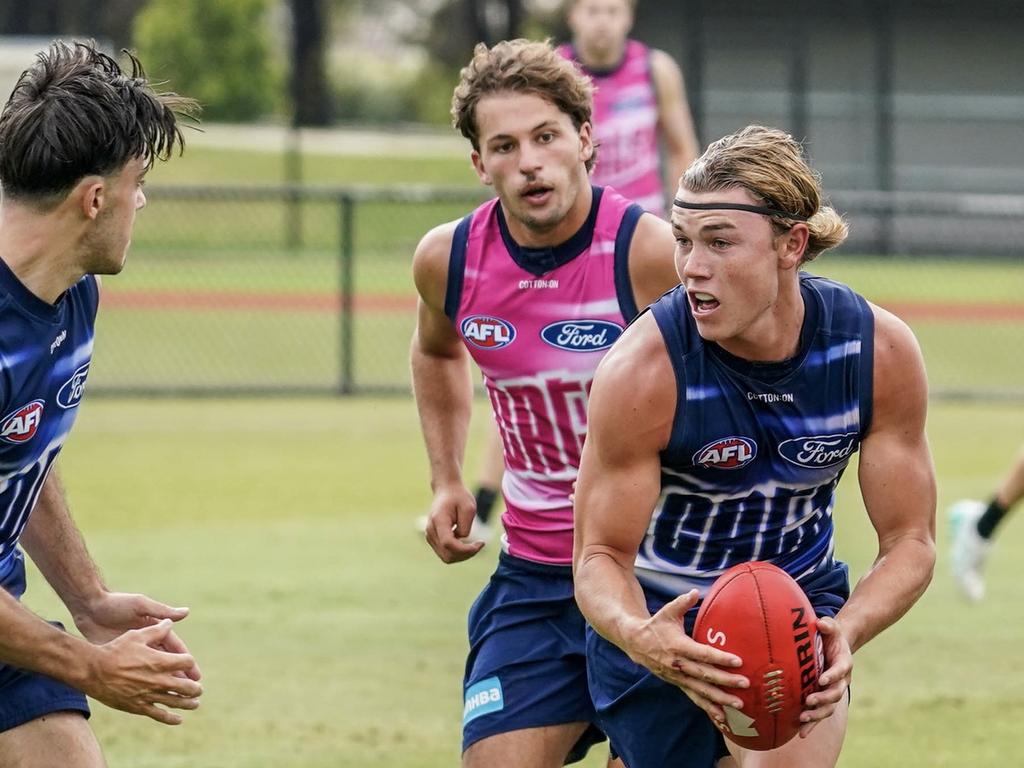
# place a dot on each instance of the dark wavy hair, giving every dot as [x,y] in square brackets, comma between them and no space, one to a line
[75,113]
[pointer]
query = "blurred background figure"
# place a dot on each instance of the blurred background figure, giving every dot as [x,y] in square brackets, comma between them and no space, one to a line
[639,103]
[973,524]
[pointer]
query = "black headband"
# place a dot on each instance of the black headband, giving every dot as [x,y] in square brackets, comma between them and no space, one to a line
[741,207]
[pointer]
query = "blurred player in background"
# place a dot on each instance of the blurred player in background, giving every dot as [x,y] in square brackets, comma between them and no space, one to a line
[76,139]
[720,425]
[973,525]
[639,101]
[534,286]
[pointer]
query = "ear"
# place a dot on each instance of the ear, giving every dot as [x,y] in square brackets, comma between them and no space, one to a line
[793,244]
[478,166]
[586,142]
[90,196]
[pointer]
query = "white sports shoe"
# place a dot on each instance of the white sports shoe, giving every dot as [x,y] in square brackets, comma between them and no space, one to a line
[967,549]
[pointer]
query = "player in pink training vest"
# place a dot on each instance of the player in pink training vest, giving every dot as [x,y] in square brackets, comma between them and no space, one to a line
[639,100]
[534,286]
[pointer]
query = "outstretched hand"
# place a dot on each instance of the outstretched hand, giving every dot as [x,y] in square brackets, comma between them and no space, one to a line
[135,674]
[113,613]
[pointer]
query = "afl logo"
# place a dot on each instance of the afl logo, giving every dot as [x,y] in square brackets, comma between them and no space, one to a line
[727,453]
[71,392]
[820,451]
[488,332]
[581,335]
[21,425]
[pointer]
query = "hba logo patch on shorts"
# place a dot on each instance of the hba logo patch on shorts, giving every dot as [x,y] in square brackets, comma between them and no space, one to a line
[488,332]
[482,698]
[20,426]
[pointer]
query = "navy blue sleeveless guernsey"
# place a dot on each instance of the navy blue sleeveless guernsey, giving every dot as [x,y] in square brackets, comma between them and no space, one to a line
[45,351]
[757,449]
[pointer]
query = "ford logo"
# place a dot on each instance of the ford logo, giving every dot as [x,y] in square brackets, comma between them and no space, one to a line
[819,451]
[71,391]
[581,335]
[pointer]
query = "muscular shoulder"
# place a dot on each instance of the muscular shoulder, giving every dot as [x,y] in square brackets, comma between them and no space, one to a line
[652,268]
[430,264]
[634,390]
[900,386]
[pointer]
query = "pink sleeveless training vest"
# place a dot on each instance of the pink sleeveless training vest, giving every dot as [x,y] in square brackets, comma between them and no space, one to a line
[537,323]
[626,127]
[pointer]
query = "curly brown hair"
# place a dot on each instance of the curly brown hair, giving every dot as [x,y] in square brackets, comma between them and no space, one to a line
[520,66]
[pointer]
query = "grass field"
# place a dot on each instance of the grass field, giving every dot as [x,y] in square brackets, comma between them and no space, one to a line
[330,636]
[328,633]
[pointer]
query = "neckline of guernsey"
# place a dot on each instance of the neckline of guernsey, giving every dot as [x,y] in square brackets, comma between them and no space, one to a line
[603,72]
[24,298]
[539,261]
[777,370]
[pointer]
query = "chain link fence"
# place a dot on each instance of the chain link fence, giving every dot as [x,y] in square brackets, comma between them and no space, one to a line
[239,290]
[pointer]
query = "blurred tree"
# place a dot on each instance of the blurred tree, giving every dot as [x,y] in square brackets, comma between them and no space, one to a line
[216,51]
[311,102]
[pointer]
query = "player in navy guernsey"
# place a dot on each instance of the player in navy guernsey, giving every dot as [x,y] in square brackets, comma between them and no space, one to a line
[720,425]
[76,139]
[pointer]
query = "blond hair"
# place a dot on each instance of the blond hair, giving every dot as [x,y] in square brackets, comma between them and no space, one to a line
[769,164]
[520,66]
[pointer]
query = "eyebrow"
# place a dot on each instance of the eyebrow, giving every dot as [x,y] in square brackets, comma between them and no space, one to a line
[544,124]
[707,227]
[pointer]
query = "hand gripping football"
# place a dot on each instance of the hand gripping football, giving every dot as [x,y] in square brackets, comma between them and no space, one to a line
[758,612]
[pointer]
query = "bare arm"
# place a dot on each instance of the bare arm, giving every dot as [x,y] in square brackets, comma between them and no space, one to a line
[652,269]
[632,405]
[444,396]
[58,550]
[134,661]
[28,642]
[897,481]
[674,119]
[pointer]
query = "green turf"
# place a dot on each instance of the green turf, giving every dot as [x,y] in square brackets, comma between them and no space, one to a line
[330,636]
[226,166]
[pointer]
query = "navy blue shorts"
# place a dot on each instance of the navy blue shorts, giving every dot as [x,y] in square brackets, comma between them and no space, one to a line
[25,696]
[527,667]
[653,724]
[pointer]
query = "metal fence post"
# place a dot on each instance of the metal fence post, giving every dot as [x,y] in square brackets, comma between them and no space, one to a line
[346,313]
[884,121]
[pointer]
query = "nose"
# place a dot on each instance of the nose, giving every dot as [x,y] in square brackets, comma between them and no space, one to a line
[140,200]
[694,265]
[529,160]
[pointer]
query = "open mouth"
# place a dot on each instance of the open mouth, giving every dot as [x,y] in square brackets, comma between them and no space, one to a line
[536,194]
[702,302]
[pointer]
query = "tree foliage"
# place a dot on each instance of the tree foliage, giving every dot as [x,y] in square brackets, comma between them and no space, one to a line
[216,51]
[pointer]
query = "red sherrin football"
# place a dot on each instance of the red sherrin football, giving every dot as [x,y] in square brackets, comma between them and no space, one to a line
[758,612]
